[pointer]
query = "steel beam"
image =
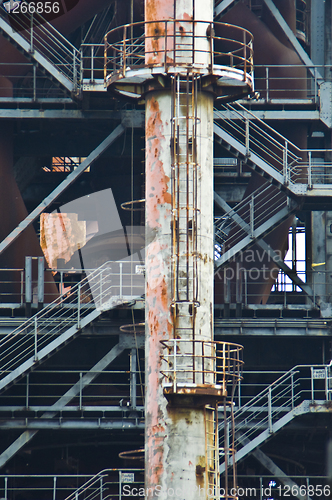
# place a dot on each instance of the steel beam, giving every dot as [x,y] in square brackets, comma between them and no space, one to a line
[62,187]
[273,327]
[34,425]
[24,438]
[223,6]
[85,409]
[135,117]
[269,114]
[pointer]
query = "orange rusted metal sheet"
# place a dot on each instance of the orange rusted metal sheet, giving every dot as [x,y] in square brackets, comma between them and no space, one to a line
[60,236]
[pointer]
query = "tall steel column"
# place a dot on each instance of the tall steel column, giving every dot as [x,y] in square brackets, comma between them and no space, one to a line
[179,259]
[185,64]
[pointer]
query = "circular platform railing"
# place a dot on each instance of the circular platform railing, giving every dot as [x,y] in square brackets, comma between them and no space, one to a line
[173,46]
[191,365]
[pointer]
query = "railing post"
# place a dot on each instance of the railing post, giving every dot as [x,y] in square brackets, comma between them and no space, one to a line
[28,285]
[82,66]
[54,488]
[92,65]
[36,339]
[79,306]
[327,384]
[292,389]
[267,83]
[309,171]
[239,393]
[120,485]
[124,51]
[101,488]
[34,83]
[252,215]
[133,365]
[270,411]
[105,60]
[247,140]
[6,489]
[165,44]
[101,287]
[61,284]
[81,391]
[41,284]
[312,384]
[285,162]
[121,279]
[31,34]
[226,450]
[27,392]
[211,45]
[74,71]
[22,289]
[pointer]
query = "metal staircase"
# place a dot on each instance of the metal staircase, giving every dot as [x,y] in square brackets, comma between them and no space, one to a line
[251,219]
[46,47]
[110,285]
[104,486]
[260,147]
[300,390]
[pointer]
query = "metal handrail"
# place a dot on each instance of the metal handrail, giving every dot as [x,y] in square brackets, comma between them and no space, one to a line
[273,86]
[279,398]
[93,488]
[99,290]
[44,387]
[57,486]
[201,362]
[131,47]
[296,165]
[43,37]
[256,209]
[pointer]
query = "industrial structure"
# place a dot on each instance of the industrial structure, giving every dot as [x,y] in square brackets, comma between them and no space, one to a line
[165,249]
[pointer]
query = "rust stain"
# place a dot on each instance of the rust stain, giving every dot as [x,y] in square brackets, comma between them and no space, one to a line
[158,318]
[187,17]
[157,182]
[157,10]
[200,470]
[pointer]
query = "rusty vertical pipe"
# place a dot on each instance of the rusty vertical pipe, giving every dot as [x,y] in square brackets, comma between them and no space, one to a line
[175,453]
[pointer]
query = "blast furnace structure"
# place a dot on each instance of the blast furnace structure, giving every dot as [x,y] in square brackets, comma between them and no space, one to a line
[188,62]
[162,203]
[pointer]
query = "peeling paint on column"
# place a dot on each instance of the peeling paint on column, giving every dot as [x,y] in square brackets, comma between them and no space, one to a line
[158,295]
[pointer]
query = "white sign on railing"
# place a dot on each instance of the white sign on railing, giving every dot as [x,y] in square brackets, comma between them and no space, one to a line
[319,374]
[128,477]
